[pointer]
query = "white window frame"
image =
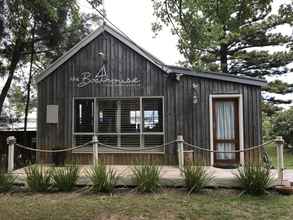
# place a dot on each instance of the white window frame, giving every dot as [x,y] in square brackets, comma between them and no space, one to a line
[241,129]
[141,133]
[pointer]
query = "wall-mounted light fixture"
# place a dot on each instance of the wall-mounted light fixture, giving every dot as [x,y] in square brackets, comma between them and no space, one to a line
[175,76]
[103,57]
[195,88]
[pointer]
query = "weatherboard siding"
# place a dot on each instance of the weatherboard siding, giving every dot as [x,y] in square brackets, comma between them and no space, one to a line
[180,114]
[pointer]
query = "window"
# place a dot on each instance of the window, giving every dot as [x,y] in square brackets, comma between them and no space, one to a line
[84,115]
[107,118]
[135,118]
[130,116]
[152,112]
[123,122]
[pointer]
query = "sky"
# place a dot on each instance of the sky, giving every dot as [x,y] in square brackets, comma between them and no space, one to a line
[134,17]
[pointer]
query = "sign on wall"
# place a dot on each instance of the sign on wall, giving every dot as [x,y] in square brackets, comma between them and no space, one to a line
[52,114]
[102,78]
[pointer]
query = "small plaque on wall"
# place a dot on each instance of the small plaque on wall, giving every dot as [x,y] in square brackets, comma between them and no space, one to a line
[52,114]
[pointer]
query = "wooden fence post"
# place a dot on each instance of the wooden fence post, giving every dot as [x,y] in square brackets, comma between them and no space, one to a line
[95,150]
[180,151]
[11,141]
[280,157]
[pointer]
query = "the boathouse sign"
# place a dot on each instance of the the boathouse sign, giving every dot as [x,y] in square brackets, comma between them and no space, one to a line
[102,78]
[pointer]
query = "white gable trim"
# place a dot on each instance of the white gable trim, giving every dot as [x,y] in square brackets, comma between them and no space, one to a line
[52,67]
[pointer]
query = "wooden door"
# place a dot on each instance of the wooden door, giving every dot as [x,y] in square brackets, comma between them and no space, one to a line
[226,131]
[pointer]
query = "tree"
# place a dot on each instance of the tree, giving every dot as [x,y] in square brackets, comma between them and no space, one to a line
[232,36]
[283,125]
[269,109]
[57,25]
[35,32]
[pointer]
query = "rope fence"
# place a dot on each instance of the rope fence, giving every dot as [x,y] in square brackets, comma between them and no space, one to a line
[234,151]
[53,151]
[113,147]
[11,141]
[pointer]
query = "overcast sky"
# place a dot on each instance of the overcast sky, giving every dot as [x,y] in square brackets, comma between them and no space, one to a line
[134,17]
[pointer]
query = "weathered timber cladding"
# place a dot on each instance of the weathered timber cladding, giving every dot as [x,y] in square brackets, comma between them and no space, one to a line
[180,114]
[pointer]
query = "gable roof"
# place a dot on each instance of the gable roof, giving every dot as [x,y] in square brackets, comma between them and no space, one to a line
[85,41]
[166,68]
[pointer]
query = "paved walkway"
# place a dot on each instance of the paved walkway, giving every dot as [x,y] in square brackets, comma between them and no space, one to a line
[288,175]
[170,176]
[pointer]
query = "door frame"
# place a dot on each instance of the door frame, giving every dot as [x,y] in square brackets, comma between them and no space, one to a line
[240,116]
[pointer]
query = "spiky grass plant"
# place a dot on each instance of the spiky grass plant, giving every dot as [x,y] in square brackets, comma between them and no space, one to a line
[103,179]
[38,178]
[196,178]
[6,181]
[64,178]
[147,178]
[254,179]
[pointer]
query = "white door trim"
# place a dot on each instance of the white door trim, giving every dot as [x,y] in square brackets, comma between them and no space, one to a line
[241,130]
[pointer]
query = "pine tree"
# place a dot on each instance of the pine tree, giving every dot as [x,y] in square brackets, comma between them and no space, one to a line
[232,36]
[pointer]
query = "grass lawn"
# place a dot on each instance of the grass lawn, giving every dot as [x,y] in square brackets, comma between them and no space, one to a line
[170,204]
[288,156]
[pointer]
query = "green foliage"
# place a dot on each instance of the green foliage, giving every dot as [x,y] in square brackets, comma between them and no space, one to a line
[55,27]
[103,179]
[283,125]
[214,30]
[64,178]
[38,178]
[231,36]
[269,109]
[279,87]
[147,178]
[6,181]
[196,178]
[254,179]
[267,132]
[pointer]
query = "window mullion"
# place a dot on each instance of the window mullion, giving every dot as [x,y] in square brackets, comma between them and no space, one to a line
[118,124]
[141,122]
[95,117]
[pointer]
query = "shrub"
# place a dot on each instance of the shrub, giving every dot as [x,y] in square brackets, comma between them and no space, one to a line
[103,179]
[64,178]
[283,125]
[6,181]
[196,178]
[38,178]
[147,178]
[254,179]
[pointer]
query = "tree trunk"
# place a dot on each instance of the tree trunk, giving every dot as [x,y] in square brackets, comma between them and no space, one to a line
[29,79]
[224,58]
[14,61]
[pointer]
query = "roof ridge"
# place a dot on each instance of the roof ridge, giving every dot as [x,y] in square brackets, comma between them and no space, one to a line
[89,38]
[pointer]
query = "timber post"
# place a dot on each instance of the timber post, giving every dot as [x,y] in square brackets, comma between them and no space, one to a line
[11,140]
[180,151]
[280,157]
[95,150]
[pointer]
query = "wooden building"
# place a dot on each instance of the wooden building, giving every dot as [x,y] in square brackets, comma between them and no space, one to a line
[108,86]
